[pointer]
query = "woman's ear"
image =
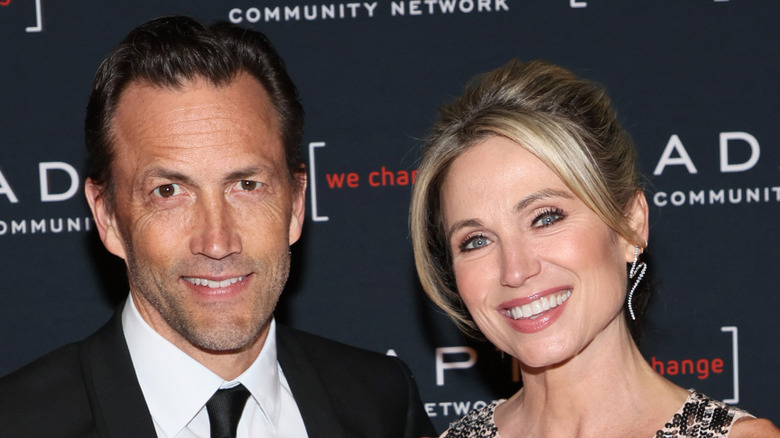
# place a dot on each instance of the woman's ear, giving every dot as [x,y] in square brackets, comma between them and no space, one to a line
[638,221]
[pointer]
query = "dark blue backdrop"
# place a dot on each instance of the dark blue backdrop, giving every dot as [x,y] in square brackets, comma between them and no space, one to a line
[695,82]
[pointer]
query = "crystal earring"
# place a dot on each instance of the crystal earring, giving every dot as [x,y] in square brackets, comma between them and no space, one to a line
[639,268]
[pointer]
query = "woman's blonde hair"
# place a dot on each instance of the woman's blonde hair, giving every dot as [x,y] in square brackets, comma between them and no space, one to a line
[566,122]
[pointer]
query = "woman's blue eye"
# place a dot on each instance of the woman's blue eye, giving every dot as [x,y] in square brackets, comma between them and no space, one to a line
[548,218]
[474,242]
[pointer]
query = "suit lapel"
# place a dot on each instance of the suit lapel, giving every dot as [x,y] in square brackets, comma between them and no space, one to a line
[119,408]
[117,403]
[308,389]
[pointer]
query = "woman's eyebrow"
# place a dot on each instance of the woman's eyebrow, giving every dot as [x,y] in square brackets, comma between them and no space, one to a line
[462,224]
[537,196]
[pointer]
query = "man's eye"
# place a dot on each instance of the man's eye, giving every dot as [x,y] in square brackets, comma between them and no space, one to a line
[167,190]
[248,185]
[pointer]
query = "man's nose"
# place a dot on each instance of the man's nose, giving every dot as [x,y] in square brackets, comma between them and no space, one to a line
[215,235]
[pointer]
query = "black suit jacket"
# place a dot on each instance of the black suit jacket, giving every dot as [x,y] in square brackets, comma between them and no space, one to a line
[89,389]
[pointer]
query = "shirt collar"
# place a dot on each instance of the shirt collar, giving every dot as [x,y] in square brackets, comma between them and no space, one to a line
[176,387]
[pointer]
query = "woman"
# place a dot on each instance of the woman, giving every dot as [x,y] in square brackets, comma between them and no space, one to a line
[529,222]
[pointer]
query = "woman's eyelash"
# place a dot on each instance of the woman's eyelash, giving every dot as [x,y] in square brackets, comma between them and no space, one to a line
[548,217]
[473,242]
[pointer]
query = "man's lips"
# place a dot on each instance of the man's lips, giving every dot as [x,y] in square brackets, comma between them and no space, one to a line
[532,307]
[215,283]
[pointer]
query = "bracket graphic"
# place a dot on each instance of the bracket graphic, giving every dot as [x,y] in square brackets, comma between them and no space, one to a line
[39,22]
[735,360]
[313,182]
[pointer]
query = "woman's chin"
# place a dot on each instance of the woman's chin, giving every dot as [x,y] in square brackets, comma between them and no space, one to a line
[537,359]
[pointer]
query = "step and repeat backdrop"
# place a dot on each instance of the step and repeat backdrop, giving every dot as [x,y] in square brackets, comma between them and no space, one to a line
[695,82]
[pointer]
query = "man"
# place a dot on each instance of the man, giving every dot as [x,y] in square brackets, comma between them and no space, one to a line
[196,182]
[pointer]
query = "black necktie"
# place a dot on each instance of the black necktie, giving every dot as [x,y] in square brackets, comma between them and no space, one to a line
[225,408]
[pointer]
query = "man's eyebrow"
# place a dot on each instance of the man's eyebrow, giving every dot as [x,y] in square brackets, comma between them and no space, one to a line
[235,175]
[168,174]
[249,172]
[524,203]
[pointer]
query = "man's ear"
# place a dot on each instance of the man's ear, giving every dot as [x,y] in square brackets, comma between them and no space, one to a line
[639,222]
[104,218]
[298,207]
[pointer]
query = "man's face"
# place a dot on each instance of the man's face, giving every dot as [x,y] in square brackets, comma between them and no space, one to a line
[204,211]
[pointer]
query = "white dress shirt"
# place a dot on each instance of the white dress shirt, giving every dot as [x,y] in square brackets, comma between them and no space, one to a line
[176,387]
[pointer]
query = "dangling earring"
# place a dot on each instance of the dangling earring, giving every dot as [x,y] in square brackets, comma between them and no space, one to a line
[635,267]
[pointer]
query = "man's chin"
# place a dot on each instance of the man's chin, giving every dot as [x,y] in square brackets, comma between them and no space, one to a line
[227,337]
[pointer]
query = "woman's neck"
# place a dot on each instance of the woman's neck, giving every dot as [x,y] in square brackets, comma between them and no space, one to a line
[608,389]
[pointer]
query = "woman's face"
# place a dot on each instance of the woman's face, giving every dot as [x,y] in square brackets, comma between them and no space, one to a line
[541,274]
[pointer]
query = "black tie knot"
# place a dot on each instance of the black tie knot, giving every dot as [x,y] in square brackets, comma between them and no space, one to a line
[225,408]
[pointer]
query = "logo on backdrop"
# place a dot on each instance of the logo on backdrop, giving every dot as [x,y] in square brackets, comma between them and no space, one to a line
[731,145]
[364,10]
[719,375]
[738,152]
[36,18]
[381,176]
[58,182]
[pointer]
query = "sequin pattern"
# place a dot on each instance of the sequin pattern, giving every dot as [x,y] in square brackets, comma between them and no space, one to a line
[478,423]
[699,417]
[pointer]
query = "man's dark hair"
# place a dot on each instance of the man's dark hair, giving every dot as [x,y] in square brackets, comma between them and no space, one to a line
[169,51]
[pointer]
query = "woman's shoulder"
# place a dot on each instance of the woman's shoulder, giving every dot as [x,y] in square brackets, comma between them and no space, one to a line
[751,427]
[478,423]
[705,414]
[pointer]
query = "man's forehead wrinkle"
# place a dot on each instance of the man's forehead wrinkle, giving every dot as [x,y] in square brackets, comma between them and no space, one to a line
[184,108]
[198,119]
[189,122]
[258,101]
[194,131]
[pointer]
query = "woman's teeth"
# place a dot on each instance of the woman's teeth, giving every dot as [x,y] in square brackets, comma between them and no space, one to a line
[536,307]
